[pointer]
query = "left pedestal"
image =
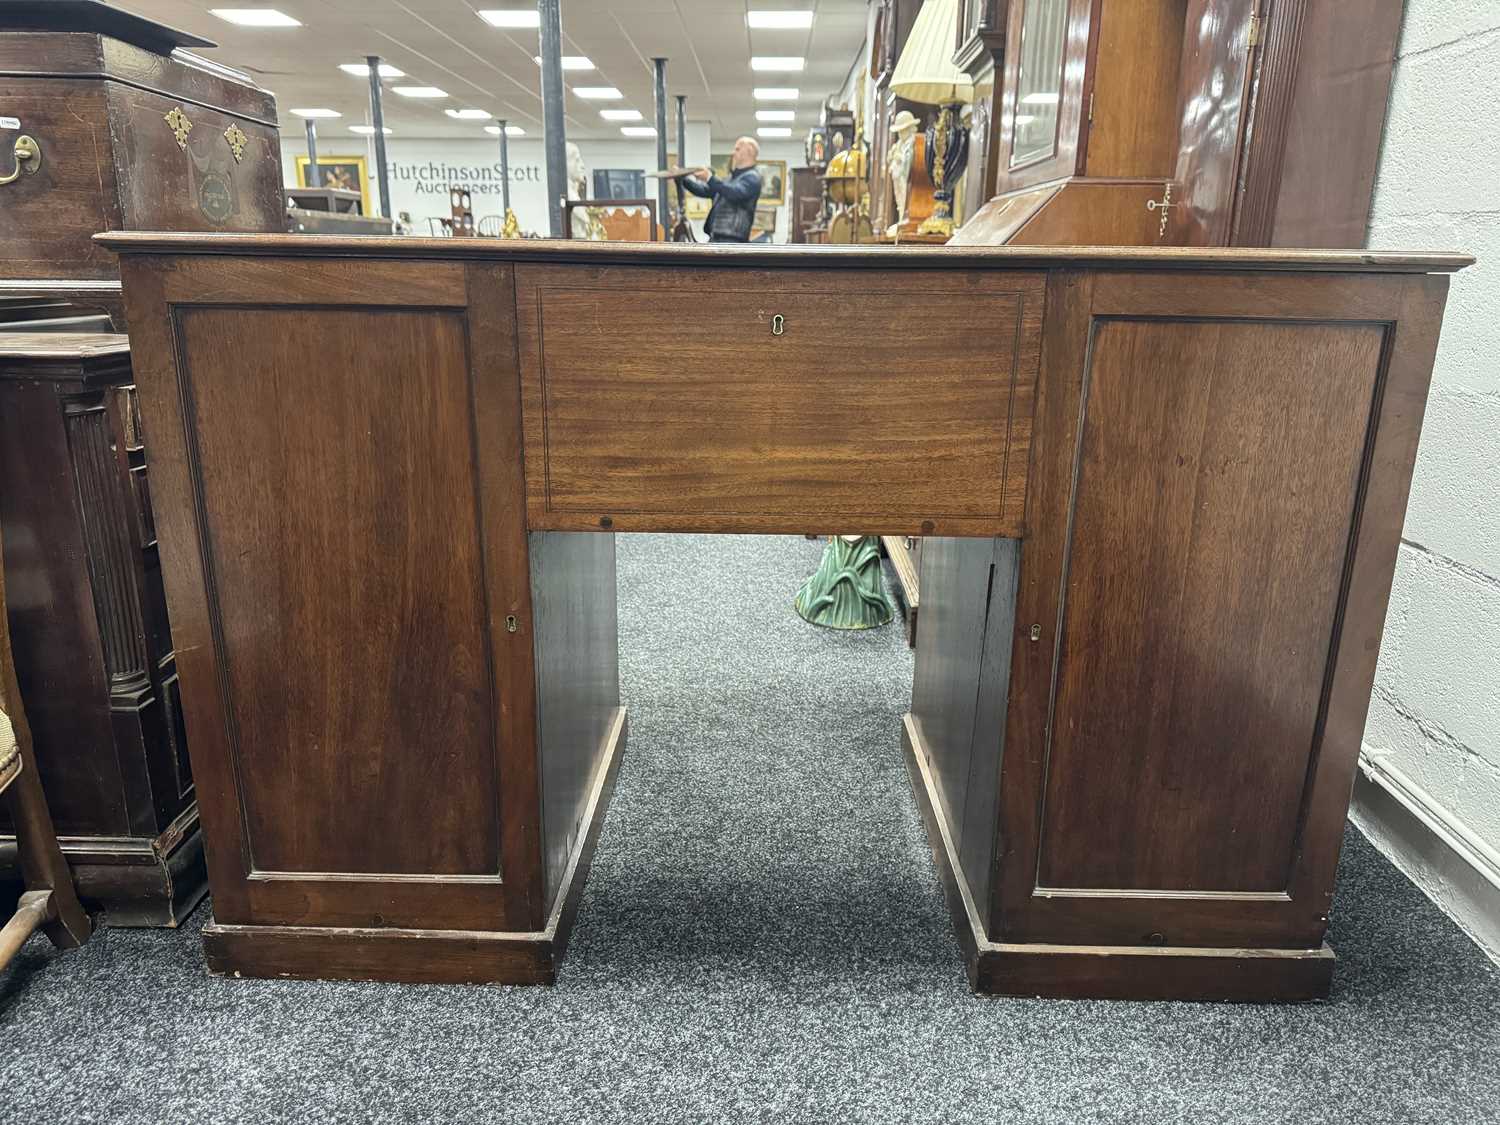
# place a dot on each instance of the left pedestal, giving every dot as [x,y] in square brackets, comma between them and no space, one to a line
[404,710]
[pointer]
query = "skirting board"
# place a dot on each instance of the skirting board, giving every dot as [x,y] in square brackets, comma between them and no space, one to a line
[1419,837]
[135,881]
[1095,972]
[425,956]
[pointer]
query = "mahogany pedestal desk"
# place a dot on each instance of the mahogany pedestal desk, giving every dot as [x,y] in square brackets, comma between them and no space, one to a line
[1162,490]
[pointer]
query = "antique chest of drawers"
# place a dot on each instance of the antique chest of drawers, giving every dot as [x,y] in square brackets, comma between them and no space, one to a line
[106,123]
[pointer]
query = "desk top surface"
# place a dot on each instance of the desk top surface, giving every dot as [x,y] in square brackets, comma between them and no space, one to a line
[62,345]
[763,255]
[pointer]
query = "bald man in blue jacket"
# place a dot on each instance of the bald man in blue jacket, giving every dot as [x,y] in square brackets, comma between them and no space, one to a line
[733,212]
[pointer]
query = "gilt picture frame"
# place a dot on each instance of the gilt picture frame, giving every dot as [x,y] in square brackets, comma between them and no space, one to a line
[772,177]
[348,173]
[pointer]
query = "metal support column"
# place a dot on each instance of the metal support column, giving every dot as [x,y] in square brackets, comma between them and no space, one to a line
[681,230]
[504,169]
[377,119]
[554,132]
[312,152]
[661,134]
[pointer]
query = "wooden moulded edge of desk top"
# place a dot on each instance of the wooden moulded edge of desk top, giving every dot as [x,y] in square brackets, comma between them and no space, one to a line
[857,256]
[43,347]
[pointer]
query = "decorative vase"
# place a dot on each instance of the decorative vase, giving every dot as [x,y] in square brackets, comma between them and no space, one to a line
[847,590]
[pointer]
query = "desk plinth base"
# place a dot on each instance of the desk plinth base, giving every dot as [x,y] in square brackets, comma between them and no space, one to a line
[1094,972]
[412,956]
[426,956]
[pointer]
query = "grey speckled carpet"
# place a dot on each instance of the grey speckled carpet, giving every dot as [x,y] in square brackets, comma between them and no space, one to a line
[763,938]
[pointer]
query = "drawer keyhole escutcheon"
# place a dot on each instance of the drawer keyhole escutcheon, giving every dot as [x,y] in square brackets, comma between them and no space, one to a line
[511,624]
[778,325]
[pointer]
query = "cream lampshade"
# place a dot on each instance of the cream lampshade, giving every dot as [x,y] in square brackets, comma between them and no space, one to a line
[926,73]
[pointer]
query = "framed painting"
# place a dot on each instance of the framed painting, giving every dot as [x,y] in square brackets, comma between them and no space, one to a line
[347,173]
[693,206]
[619,183]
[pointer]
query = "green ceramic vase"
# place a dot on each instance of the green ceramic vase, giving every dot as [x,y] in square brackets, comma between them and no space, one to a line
[847,590]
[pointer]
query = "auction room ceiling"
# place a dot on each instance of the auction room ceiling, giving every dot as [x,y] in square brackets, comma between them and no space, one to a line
[444,43]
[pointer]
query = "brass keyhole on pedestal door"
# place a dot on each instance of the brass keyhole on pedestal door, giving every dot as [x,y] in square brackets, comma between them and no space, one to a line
[778,325]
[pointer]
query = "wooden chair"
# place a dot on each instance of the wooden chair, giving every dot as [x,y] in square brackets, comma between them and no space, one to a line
[49,900]
[620,220]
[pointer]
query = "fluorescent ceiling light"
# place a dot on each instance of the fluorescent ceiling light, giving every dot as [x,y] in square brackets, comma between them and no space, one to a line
[1024,118]
[598,93]
[777,62]
[420,91]
[620,114]
[510,130]
[776,93]
[317,113]
[256,17]
[469,114]
[763,19]
[1040,99]
[367,130]
[775,115]
[773,131]
[362,70]
[638,130]
[510,17]
[571,62]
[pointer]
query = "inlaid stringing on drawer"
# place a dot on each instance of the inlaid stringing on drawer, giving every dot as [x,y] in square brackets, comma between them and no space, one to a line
[707,400]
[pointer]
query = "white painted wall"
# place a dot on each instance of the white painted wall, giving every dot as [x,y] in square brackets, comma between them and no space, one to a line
[1430,796]
[422,168]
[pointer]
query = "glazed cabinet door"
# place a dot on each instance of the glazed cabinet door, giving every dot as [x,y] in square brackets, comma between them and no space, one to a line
[336,459]
[1043,92]
[1221,473]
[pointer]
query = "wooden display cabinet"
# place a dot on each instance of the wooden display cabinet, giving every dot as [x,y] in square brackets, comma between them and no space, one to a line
[133,132]
[893,24]
[1281,112]
[806,202]
[1189,123]
[980,54]
[1087,128]
[93,649]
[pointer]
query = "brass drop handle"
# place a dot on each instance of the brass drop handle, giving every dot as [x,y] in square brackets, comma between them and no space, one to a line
[28,158]
[778,325]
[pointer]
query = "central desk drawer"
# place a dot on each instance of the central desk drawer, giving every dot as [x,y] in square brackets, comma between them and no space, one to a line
[737,399]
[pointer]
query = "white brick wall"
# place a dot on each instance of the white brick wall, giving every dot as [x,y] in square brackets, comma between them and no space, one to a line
[1434,731]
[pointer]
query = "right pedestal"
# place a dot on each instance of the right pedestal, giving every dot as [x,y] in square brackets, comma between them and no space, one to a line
[1134,731]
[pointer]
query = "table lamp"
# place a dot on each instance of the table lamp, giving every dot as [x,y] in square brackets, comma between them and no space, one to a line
[925,73]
